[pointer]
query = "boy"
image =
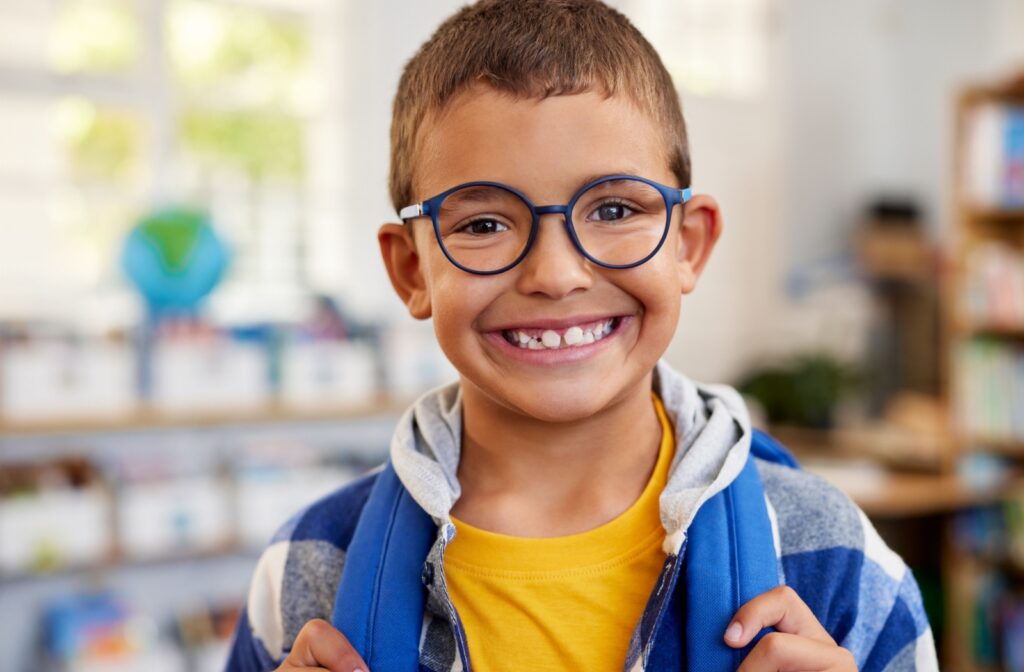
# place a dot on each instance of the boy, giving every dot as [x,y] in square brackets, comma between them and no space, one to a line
[588,507]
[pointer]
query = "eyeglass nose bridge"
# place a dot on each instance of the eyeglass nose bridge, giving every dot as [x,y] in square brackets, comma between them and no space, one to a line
[552,210]
[563,210]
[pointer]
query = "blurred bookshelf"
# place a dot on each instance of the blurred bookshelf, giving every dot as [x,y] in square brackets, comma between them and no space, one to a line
[152,522]
[984,548]
[141,477]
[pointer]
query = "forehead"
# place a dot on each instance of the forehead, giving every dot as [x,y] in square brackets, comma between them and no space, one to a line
[545,147]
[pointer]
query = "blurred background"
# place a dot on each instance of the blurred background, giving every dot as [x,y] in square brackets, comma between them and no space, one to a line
[197,336]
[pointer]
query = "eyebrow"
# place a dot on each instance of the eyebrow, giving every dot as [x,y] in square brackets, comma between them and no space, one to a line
[476,195]
[594,177]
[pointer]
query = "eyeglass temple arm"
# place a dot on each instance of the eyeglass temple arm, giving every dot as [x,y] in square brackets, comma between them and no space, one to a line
[685,194]
[410,211]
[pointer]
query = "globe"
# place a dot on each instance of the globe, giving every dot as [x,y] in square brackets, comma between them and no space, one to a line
[175,259]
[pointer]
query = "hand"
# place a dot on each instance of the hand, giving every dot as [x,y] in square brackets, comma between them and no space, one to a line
[799,642]
[320,646]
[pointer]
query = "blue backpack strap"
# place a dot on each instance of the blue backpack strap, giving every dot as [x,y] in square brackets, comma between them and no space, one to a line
[380,599]
[765,447]
[730,559]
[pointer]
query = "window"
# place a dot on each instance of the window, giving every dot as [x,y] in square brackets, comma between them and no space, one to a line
[111,108]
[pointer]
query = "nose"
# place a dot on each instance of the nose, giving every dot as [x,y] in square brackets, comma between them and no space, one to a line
[553,267]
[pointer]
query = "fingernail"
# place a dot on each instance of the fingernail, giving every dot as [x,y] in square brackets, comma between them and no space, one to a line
[734,632]
[359,669]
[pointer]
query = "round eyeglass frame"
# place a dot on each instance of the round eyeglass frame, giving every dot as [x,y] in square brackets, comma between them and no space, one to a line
[673,196]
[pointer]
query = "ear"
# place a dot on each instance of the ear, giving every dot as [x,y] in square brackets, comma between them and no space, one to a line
[698,233]
[398,249]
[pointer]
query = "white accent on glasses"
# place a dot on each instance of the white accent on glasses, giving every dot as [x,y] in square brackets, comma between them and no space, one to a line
[410,211]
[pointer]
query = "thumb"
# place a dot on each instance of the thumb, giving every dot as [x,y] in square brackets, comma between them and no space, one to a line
[319,644]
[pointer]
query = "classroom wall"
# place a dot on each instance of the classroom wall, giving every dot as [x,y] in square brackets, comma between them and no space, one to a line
[372,82]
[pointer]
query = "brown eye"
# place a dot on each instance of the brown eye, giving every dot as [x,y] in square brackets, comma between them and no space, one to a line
[611,212]
[483,227]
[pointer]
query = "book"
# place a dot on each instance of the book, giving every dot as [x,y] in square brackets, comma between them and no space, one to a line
[993,177]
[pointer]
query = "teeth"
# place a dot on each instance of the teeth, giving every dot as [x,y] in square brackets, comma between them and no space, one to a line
[552,340]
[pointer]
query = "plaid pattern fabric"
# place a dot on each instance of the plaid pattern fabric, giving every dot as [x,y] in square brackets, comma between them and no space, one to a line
[827,550]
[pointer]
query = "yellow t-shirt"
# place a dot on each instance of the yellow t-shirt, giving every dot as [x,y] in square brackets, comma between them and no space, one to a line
[560,603]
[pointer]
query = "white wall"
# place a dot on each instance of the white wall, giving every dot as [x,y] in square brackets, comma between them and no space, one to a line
[380,37]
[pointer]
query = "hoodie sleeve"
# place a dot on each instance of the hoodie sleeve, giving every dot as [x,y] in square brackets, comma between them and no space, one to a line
[247,652]
[296,578]
[259,636]
[860,590]
[893,633]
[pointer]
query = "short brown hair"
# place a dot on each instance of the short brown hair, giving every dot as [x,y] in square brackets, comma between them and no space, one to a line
[532,49]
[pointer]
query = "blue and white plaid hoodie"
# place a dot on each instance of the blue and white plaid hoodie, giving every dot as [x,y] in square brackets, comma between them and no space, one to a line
[828,551]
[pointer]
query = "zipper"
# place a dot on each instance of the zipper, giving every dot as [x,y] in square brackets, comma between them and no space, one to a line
[666,586]
[458,630]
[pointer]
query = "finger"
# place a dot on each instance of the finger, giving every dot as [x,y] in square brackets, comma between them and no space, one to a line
[780,608]
[319,644]
[783,652]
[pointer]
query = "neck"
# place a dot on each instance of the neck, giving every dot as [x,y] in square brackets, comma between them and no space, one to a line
[525,477]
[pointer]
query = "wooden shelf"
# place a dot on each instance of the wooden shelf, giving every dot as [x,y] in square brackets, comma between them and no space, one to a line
[153,419]
[1009,215]
[886,446]
[1009,447]
[971,328]
[118,562]
[1010,91]
[891,494]
[888,473]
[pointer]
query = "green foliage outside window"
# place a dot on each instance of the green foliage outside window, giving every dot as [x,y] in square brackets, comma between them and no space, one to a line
[241,78]
[100,143]
[215,47]
[241,73]
[262,144]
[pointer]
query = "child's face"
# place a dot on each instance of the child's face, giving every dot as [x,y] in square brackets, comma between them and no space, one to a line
[548,149]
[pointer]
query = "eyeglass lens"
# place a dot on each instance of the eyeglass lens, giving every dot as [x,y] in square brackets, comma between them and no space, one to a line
[617,222]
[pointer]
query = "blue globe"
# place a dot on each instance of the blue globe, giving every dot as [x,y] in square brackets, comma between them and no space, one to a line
[175,259]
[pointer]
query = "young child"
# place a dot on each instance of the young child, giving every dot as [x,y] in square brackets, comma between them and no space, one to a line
[572,503]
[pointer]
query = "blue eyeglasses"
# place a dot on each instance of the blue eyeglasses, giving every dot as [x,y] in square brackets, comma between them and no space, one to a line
[485,228]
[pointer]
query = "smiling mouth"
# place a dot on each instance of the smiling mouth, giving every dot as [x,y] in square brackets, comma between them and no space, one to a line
[575,336]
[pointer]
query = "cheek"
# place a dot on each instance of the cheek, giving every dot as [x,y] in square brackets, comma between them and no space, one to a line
[659,293]
[656,284]
[458,299]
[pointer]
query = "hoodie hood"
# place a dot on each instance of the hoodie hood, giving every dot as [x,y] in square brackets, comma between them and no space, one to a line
[712,433]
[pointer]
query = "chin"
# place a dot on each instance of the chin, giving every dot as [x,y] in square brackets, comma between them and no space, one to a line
[554,403]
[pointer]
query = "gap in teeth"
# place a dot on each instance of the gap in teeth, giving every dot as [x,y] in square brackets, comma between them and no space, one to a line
[550,339]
